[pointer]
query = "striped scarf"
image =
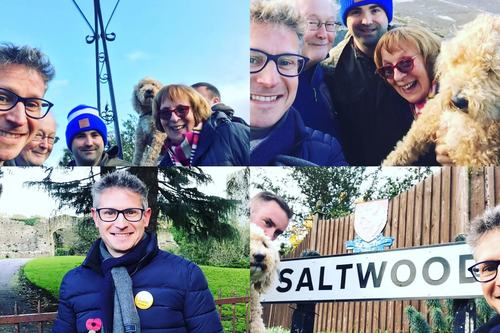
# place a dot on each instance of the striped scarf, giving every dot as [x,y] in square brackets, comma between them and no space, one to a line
[182,155]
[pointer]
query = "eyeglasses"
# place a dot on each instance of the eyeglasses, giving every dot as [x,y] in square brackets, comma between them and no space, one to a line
[405,66]
[39,137]
[485,271]
[287,64]
[35,108]
[111,214]
[329,26]
[181,111]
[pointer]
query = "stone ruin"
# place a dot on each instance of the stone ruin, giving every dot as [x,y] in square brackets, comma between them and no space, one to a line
[19,240]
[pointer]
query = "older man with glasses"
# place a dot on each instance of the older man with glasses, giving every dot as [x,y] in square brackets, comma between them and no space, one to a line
[278,134]
[313,99]
[39,149]
[126,283]
[24,75]
[483,237]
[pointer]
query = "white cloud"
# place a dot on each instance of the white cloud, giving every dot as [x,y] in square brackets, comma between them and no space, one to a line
[59,83]
[137,55]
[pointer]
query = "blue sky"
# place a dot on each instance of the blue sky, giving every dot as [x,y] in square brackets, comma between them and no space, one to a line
[172,41]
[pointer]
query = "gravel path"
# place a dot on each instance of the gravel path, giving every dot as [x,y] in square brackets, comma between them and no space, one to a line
[8,296]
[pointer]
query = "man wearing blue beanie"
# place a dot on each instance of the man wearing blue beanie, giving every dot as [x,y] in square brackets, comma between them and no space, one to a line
[86,136]
[372,116]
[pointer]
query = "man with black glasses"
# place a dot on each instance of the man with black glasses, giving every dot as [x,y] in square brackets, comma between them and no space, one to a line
[126,283]
[483,236]
[24,76]
[278,135]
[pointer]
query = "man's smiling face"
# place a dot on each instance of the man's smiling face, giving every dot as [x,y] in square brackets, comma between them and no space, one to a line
[16,128]
[121,235]
[271,94]
[367,24]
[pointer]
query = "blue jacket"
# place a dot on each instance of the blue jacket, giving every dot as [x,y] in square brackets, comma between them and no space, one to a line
[291,143]
[221,142]
[492,326]
[314,103]
[182,302]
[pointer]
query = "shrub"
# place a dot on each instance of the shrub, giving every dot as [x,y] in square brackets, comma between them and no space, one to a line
[232,253]
[65,252]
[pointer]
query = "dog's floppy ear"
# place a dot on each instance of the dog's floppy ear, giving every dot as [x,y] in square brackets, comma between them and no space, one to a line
[136,104]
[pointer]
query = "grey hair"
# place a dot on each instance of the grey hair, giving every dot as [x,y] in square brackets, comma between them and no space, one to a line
[120,179]
[481,225]
[30,57]
[336,7]
[279,13]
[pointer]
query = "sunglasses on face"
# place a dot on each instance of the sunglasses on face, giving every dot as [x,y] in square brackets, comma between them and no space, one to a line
[404,65]
[181,111]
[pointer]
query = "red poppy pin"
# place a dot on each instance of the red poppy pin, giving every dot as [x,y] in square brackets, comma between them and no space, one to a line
[93,325]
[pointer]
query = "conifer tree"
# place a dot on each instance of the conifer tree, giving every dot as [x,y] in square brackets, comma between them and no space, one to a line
[173,194]
[417,321]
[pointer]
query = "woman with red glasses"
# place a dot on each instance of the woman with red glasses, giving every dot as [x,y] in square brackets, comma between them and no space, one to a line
[195,135]
[405,57]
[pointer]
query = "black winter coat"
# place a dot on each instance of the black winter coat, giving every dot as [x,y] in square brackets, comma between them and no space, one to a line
[221,143]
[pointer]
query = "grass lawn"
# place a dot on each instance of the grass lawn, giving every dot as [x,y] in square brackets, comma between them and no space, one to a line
[47,273]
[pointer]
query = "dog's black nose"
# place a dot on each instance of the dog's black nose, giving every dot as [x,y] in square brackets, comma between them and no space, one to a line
[460,103]
[259,257]
[149,91]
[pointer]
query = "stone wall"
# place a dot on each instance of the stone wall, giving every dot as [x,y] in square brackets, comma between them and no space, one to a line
[166,240]
[18,240]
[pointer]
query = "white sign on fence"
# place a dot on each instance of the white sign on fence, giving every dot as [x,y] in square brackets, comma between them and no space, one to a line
[370,218]
[425,272]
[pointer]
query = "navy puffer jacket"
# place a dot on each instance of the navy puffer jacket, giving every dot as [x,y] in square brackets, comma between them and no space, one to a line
[290,143]
[492,326]
[222,142]
[182,302]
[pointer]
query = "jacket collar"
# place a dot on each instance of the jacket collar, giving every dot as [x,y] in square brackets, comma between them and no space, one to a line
[94,259]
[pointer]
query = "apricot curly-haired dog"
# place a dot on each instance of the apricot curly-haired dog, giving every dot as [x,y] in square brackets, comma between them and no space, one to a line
[148,140]
[468,102]
[264,261]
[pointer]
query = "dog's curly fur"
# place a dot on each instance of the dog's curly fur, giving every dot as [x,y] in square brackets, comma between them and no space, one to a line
[468,102]
[264,261]
[148,140]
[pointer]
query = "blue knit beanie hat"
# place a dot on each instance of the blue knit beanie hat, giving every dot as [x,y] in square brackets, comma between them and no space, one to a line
[85,118]
[346,5]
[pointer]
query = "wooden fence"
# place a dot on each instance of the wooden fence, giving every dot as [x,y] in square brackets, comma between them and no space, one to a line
[434,211]
[40,318]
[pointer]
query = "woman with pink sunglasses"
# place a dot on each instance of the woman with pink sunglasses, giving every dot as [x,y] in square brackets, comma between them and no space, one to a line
[196,136]
[405,57]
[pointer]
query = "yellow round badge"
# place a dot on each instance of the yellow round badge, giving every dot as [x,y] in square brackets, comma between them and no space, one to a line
[143,300]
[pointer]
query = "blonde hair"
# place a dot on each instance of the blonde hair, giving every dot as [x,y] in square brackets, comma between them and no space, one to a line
[279,13]
[428,45]
[199,106]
